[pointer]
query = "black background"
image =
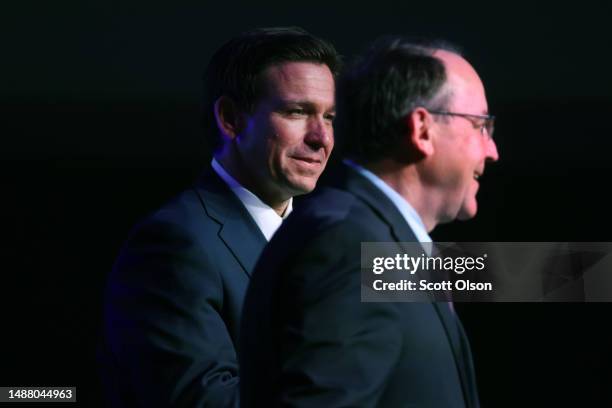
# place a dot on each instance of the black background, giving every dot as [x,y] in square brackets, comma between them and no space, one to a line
[100,116]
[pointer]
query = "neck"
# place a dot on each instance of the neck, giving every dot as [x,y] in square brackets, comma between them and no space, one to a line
[247,179]
[405,180]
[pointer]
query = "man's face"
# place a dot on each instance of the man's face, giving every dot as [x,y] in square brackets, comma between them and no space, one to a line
[289,136]
[461,148]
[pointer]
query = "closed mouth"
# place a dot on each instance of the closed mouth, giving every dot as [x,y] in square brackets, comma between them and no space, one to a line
[311,160]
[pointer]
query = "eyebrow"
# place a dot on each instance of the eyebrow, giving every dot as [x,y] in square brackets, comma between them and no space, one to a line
[303,103]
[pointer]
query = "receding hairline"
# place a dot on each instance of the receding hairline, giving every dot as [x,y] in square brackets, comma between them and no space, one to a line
[456,68]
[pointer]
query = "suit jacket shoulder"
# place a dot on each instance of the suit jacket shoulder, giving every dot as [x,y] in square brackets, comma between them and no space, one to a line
[174,301]
[306,325]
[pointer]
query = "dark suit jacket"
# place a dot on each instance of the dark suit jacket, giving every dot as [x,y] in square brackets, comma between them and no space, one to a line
[174,300]
[307,340]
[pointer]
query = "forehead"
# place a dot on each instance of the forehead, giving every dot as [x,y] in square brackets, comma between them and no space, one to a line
[299,80]
[463,82]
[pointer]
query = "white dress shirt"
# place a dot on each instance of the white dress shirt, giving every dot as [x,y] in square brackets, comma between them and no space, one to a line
[265,217]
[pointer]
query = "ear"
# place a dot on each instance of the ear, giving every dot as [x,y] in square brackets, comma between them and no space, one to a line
[230,119]
[419,123]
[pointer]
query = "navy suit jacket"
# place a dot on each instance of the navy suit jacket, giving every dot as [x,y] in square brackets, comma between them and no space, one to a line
[174,301]
[307,340]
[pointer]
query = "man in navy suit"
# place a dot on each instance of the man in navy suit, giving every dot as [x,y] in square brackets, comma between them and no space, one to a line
[415,125]
[174,298]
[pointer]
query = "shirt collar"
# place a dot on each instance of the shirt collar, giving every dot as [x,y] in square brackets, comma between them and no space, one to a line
[408,212]
[264,216]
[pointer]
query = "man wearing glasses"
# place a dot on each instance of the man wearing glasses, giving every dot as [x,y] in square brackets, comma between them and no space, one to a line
[414,121]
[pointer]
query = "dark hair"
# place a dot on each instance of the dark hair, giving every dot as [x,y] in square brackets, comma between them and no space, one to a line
[235,69]
[394,76]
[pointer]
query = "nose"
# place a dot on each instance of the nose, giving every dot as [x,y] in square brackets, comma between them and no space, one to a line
[492,153]
[319,133]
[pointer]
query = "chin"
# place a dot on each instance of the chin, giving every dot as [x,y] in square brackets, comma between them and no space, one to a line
[299,187]
[465,217]
[467,213]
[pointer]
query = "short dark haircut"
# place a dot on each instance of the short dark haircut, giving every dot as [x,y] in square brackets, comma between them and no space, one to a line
[376,93]
[235,70]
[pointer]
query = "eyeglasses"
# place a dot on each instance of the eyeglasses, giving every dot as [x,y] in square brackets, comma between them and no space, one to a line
[487,124]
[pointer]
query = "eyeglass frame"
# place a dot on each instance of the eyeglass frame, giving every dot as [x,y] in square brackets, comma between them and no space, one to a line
[488,125]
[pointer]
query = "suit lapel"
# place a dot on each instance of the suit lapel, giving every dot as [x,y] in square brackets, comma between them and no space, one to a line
[468,369]
[237,229]
[456,339]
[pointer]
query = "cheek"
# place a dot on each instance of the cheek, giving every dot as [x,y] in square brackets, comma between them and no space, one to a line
[256,141]
[473,157]
[287,136]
